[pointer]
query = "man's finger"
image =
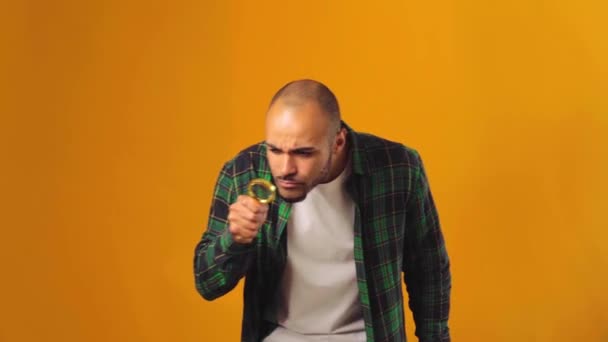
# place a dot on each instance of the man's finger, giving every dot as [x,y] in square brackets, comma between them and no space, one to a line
[253,204]
[241,214]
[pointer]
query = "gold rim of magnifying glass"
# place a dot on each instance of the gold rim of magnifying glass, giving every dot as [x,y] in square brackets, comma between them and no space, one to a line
[267,185]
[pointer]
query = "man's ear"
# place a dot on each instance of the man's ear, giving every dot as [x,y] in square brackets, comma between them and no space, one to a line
[340,140]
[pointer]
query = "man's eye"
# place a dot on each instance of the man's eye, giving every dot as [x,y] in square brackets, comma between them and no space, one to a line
[304,153]
[275,150]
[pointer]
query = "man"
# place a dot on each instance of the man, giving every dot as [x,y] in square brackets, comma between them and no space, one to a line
[323,262]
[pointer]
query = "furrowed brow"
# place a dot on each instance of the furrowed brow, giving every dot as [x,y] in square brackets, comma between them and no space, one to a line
[305,149]
[271,146]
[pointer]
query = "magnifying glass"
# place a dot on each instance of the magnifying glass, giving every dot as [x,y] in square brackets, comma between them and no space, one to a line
[262,190]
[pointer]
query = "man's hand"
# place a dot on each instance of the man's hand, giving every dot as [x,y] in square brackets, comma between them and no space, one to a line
[246,216]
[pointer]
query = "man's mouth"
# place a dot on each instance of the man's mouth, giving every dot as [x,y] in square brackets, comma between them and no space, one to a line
[288,184]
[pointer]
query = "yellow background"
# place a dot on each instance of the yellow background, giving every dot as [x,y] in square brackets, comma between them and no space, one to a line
[117,116]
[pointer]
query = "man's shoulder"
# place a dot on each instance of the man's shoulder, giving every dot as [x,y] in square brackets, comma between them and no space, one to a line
[381,152]
[249,159]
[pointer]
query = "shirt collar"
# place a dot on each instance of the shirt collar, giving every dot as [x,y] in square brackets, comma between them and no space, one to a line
[360,164]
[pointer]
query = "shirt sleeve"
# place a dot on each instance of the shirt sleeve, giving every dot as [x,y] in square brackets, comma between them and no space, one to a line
[219,262]
[426,263]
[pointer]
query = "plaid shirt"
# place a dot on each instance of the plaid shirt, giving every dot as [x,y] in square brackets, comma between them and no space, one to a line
[396,230]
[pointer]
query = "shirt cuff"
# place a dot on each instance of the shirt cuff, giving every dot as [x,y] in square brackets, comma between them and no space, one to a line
[232,247]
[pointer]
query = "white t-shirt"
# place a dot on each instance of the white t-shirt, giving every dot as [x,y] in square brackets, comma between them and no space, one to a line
[319,297]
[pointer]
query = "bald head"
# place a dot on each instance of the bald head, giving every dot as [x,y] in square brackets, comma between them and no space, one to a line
[301,92]
[304,141]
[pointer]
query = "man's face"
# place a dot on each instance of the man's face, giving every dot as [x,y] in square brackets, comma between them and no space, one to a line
[298,147]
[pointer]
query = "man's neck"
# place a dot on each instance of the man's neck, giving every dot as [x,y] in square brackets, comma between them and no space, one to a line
[338,164]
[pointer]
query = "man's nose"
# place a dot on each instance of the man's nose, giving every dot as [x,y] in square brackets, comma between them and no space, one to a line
[289,166]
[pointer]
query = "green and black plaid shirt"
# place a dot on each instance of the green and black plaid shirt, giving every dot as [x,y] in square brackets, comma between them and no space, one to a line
[396,231]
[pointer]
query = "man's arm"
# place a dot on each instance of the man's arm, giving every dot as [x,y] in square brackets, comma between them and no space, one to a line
[426,264]
[219,262]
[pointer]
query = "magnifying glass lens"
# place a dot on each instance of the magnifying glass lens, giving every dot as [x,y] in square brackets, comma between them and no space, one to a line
[262,190]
